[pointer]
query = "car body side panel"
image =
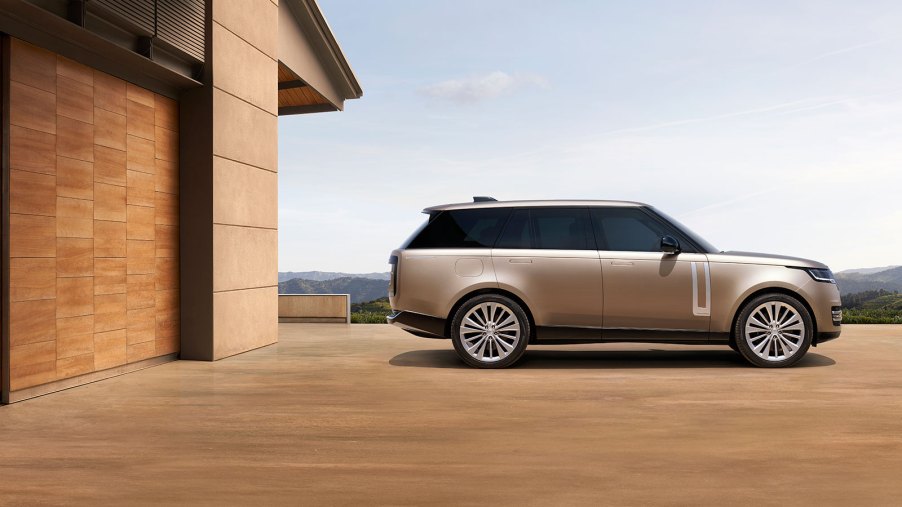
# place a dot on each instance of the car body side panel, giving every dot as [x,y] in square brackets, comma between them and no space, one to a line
[560,287]
[430,281]
[651,290]
[732,283]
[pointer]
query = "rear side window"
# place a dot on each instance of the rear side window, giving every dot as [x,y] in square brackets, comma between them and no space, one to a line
[517,233]
[628,230]
[560,228]
[548,228]
[467,228]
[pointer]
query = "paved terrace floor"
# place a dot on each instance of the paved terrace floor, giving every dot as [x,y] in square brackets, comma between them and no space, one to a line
[338,414]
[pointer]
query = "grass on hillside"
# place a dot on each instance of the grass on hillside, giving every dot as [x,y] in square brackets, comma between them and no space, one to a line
[853,316]
[371,312]
[872,307]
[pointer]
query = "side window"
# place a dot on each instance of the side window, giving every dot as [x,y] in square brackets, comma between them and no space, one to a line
[467,228]
[627,230]
[561,228]
[516,233]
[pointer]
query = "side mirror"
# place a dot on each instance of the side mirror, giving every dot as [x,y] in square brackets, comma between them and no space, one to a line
[669,245]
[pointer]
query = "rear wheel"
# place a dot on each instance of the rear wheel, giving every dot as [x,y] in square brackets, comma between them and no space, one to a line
[773,331]
[490,331]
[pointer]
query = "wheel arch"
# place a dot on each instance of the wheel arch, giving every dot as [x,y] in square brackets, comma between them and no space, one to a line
[496,291]
[773,290]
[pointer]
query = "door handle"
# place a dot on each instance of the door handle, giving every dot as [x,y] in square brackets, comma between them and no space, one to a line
[520,261]
[621,263]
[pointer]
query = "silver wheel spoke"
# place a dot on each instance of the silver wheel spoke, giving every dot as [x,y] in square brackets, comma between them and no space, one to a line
[787,343]
[481,352]
[507,347]
[779,348]
[472,323]
[753,321]
[489,313]
[476,345]
[510,320]
[473,338]
[793,319]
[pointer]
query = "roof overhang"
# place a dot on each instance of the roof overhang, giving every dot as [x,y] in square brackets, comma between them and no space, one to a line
[314,75]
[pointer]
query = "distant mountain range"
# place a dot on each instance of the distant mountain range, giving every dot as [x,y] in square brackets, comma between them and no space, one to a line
[320,276]
[361,289]
[851,281]
[865,271]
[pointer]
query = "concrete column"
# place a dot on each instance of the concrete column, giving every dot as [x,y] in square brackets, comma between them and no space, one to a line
[229,211]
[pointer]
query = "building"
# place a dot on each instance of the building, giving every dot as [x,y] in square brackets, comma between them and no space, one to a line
[139,156]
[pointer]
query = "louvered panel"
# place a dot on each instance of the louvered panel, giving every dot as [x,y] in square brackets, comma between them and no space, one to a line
[136,13]
[181,24]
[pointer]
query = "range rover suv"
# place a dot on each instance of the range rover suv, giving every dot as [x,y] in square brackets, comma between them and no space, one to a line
[495,277]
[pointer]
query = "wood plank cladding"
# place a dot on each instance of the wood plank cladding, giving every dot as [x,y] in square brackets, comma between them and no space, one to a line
[93,220]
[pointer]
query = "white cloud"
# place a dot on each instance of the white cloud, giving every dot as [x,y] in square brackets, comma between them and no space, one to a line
[479,88]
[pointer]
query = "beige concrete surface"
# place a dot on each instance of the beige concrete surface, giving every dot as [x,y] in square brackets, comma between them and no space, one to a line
[364,415]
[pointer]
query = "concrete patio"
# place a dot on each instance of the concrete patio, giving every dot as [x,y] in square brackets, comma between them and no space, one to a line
[363,414]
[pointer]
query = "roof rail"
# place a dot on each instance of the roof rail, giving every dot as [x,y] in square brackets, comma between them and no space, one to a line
[483,198]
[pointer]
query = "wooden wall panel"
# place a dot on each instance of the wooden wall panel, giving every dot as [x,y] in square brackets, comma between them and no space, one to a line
[93,220]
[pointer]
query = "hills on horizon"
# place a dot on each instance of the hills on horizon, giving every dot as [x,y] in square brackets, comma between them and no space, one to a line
[361,289]
[321,276]
[866,271]
[852,281]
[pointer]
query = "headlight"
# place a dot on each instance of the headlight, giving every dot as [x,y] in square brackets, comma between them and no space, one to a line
[821,275]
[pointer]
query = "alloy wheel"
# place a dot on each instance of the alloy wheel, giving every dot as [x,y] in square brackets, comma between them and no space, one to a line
[489,332]
[774,331]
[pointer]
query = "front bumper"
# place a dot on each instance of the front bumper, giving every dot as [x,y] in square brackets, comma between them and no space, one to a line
[418,324]
[825,337]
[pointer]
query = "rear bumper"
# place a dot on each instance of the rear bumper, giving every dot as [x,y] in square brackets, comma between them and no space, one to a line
[418,324]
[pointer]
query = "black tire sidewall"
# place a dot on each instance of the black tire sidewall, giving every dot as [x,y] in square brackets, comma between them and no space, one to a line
[743,346]
[518,351]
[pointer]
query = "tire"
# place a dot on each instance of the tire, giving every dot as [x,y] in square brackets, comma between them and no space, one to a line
[490,331]
[773,331]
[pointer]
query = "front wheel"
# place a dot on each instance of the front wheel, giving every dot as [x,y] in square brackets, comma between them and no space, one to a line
[773,331]
[490,331]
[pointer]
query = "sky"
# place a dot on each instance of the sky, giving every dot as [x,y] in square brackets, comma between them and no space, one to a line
[764,126]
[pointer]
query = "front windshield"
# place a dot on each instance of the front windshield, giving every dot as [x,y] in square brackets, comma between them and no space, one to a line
[700,241]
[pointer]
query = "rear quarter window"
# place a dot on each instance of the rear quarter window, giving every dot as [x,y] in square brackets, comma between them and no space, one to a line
[467,228]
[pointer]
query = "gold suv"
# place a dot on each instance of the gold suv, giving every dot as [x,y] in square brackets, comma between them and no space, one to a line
[496,276]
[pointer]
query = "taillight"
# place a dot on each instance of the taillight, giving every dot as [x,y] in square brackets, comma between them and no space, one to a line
[393,281]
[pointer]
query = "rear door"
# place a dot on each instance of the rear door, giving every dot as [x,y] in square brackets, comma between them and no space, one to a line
[547,256]
[649,294]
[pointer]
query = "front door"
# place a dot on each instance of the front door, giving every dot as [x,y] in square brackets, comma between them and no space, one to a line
[649,294]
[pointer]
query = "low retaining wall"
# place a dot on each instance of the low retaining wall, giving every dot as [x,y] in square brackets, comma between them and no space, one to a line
[334,308]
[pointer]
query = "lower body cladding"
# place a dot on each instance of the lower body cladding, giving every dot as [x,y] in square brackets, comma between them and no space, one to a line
[427,326]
